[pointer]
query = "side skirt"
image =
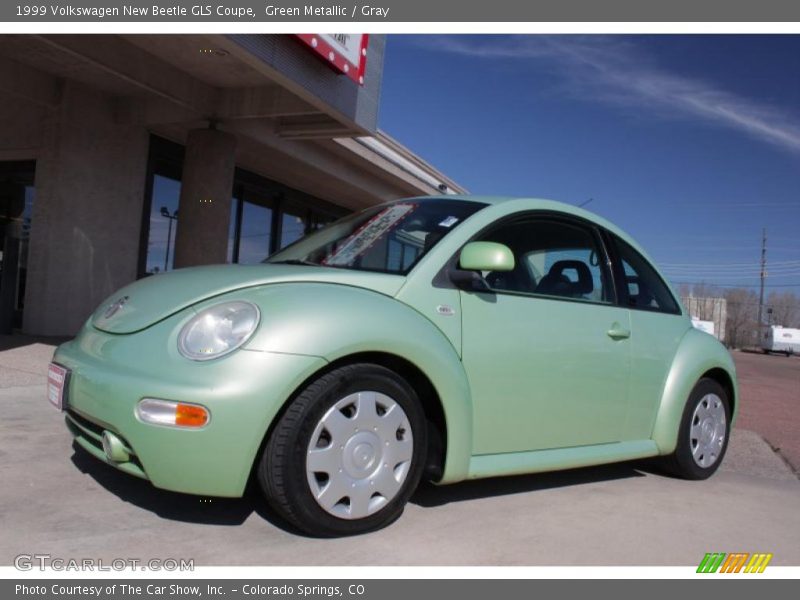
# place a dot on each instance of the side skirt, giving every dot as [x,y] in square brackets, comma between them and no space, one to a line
[517,463]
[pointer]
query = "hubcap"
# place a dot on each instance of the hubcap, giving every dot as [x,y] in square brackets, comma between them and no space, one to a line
[707,433]
[359,455]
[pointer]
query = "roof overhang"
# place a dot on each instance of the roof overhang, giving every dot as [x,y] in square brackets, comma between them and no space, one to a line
[296,120]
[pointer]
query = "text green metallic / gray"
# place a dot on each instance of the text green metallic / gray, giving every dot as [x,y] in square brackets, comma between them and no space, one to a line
[442,338]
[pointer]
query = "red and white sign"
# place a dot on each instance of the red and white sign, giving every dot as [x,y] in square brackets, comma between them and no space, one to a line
[344,52]
[56,383]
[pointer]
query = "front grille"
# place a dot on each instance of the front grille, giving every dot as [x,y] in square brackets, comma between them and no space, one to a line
[86,423]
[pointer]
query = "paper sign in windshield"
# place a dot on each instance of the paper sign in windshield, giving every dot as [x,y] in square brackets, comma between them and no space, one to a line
[449,222]
[369,233]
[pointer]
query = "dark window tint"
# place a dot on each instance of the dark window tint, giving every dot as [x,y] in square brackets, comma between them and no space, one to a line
[642,287]
[552,258]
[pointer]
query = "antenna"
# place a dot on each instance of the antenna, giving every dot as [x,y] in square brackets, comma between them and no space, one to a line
[582,204]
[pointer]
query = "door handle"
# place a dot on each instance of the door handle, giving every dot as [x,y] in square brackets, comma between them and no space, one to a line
[617,332]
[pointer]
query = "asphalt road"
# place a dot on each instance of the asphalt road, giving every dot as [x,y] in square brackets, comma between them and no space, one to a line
[57,499]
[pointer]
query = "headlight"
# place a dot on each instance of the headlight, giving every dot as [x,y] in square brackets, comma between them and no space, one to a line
[218,330]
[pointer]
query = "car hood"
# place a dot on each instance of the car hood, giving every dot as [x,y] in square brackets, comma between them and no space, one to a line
[150,300]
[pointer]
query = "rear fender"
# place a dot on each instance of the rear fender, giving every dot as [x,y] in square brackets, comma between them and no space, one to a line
[698,353]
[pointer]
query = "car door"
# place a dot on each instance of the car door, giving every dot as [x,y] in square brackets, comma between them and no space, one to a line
[658,325]
[545,348]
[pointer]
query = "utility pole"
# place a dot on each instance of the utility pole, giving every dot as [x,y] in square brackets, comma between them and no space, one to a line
[763,276]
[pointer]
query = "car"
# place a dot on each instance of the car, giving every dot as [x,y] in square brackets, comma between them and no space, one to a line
[445,338]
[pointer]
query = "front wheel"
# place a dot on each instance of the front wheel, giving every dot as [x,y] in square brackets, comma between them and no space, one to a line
[703,433]
[347,453]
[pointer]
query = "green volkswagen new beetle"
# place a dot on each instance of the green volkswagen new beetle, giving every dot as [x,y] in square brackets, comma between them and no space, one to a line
[448,338]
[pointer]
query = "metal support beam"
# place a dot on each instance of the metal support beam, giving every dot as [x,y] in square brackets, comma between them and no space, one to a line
[262,102]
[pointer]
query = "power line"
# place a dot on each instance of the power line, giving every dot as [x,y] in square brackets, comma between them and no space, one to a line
[781,263]
[736,285]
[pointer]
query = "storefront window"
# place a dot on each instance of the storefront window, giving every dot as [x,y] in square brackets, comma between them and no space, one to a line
[293,228]
[16,208]
[163,224]
[265,215]
[255,233]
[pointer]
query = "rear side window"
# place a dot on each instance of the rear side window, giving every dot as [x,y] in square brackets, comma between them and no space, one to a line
[642,287]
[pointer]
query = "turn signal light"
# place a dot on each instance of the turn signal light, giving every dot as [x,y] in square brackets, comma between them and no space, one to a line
[190,415]
[176,414]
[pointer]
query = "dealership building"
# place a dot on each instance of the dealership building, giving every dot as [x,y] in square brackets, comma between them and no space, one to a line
[124,156]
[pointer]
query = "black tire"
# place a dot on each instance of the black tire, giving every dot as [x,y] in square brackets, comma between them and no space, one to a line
[681,463]
[282,468]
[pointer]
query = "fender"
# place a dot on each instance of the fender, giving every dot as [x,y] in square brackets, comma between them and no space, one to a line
[297,318]
[697,354]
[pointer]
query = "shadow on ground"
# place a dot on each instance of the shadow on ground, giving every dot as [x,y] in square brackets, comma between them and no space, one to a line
[10,342]
[173,505]
[234,511]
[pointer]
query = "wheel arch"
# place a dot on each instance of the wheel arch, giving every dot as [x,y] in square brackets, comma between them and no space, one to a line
[371,327]
[723,377]
[699,355]
[436,464]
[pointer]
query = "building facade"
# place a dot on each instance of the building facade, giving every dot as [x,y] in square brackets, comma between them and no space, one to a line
[713,311]
[126,156]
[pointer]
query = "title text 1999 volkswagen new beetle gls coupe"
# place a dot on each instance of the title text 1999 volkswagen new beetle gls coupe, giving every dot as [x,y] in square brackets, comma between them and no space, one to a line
[448,338]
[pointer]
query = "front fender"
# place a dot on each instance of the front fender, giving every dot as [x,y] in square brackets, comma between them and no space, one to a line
[697,354]
[334,321]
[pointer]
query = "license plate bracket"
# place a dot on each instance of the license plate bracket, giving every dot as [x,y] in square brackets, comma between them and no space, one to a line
[57,385]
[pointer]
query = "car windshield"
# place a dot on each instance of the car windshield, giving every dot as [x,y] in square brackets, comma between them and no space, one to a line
[390,238]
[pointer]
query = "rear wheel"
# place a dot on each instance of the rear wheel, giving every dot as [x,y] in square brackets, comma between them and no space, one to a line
[703,433]
[347,453]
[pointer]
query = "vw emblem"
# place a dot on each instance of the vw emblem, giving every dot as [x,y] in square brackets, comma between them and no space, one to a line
[115,307]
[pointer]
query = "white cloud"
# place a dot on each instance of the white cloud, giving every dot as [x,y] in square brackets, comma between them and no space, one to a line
[614,70]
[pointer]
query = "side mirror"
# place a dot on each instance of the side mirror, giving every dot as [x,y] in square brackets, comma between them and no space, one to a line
[486,256]
[480,256]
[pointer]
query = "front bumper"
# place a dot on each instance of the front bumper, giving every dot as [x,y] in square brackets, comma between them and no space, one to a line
[243,392]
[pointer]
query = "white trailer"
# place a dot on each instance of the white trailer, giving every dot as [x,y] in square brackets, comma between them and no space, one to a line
[780,339]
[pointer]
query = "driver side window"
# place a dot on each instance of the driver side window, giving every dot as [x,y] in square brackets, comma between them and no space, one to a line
[552,259]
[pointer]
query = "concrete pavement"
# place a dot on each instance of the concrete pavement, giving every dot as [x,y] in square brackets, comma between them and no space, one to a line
[57,499]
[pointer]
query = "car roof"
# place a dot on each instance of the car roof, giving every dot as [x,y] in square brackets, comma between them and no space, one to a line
[522,203]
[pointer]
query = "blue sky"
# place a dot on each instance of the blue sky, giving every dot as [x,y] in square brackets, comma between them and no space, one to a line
[689,143]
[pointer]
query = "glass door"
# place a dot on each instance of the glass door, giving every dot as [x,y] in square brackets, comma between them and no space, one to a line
[16,211]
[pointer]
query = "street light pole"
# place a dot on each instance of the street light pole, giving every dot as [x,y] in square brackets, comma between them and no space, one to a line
[172,217]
